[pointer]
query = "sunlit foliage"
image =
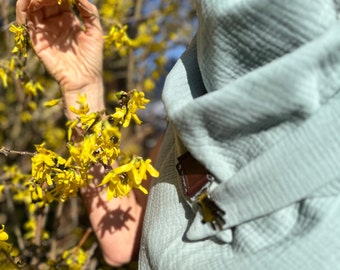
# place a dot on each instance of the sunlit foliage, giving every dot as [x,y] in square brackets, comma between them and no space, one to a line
[45,159]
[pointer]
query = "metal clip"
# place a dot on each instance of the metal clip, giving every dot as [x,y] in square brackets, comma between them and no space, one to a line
[210,211]
[196,181]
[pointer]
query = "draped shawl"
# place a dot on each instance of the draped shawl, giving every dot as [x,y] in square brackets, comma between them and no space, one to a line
[255,98]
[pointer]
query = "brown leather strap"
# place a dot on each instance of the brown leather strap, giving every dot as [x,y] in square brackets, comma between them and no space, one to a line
[194,176]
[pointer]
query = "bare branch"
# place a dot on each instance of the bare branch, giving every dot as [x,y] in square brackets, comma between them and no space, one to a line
[5,151]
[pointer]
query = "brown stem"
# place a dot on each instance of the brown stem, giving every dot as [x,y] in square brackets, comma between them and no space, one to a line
[16,227]
[74,211]
[40,221]
[5,151]
[4,15]
[82,240]
[10,259]
[53,249]
[130,70]
[131,60]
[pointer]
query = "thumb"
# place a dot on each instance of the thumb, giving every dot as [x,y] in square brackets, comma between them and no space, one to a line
[21,11]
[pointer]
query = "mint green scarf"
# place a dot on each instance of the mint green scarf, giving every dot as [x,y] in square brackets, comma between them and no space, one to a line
[256,99]
[264,116]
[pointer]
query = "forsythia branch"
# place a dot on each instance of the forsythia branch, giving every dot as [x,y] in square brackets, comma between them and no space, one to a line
[5,151]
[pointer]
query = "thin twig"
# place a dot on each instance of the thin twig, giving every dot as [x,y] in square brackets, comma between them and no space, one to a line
[53,249]
[4,15]
[131,57]
[82,240]
[90,252]
[13,216]
[5,151]
[40,221]
[10,259]
[74,212]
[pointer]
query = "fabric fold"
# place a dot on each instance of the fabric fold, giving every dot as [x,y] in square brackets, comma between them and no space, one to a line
[250,114]
[282,176]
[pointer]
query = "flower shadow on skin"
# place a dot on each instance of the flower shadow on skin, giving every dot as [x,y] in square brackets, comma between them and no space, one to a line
[61,32]
[113,220]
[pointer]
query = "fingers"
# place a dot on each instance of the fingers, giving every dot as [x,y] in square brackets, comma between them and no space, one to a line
[39,4]
[47,8]
[90,16]
[21,11]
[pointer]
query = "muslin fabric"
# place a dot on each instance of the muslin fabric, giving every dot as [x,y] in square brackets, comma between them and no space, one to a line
[256,99]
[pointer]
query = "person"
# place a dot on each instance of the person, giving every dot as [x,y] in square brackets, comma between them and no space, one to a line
[253,109]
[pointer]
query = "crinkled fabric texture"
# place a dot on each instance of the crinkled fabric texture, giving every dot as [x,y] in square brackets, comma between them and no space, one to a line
[255,98]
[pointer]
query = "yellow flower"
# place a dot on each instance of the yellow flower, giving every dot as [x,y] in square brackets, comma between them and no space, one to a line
[30,227]
[52,102]
[88,120]
[19,183]
[144,167]
[75,258]
[118,37]
[4,77]
[85,119]
[119,114]
[4,246]
[3,234]
[20,39]
[42,164]
[31,88]
[26,116]
[62,178]
[83,106]
[71,2]
[71,125]
[83,153]
[130,175]
[23,195]
[119,183]
[68,183]
[57,178]
[108,139]
[115,9]
[139,100]
[12,64]
[148,84]
[135,100]
[156,75]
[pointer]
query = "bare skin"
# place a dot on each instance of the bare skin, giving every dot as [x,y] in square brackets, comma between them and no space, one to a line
[72,53]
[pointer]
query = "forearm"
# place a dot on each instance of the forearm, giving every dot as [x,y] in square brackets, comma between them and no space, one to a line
[116,223]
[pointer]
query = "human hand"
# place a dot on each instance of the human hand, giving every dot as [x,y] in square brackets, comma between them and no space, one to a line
[71,50]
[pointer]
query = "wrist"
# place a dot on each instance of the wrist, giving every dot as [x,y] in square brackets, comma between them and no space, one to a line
[94,96]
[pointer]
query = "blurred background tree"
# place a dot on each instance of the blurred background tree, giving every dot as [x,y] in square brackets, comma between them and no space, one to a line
[143,39]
